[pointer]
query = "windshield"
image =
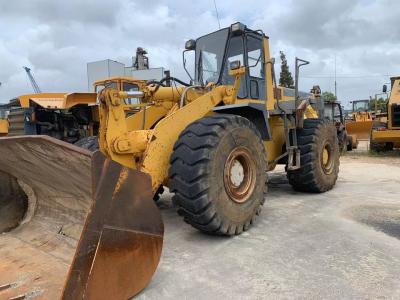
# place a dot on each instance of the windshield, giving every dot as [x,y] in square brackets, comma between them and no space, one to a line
[362,105]
[109,84]
[332,112]
[209,56]
[130,87]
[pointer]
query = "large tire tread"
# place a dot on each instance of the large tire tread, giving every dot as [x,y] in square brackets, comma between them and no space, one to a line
[308,178]
[190,171]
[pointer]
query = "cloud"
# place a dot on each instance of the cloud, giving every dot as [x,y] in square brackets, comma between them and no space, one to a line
[56,39]
[98,12]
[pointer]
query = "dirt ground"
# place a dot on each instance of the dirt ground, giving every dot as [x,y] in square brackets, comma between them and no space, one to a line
[344,244]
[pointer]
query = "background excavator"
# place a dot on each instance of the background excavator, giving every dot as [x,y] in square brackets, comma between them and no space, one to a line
[210,141]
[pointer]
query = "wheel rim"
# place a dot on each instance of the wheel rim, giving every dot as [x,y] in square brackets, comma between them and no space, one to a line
[327,159]
[240,175]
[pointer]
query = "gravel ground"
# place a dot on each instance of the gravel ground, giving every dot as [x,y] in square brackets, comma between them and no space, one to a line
[339,245]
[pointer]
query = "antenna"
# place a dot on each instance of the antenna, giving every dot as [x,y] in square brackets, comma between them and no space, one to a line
[216,11]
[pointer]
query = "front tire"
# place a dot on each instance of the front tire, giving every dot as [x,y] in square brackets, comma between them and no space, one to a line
[319,157]
[218,174]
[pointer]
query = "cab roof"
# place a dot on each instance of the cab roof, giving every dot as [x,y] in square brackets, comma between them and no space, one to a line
[115,78]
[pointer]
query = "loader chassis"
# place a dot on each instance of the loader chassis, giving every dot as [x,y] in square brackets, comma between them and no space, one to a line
[180,148]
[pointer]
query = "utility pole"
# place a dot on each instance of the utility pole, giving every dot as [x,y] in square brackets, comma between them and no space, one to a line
[335,79]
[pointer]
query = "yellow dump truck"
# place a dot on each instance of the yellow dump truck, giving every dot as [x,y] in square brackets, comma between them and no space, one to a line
[3,120]
[71,117]
[3,127]
[210,141]
[385,135]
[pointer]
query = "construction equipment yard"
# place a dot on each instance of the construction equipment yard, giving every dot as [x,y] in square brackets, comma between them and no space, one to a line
[343,244]
[218,174]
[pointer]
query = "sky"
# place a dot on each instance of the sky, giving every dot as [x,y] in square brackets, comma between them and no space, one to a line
[57,38]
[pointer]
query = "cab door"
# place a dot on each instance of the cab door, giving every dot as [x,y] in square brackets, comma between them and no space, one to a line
[254,55]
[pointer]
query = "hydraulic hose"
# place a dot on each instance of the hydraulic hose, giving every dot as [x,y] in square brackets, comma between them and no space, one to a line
[183,96]
[161,82]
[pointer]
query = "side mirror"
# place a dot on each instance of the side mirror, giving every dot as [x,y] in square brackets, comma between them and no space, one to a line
[190,45]
[234,65]
[384,88]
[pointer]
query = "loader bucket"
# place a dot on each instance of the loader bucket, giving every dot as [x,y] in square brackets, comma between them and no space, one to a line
[362,129]
[58,241]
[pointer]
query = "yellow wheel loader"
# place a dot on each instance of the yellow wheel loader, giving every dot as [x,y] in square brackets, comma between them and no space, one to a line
[386,135]
[210,141]
[360,125]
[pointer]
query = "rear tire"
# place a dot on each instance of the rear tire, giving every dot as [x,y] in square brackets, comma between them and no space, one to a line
[349,146]
[389,146]
[211,193]
[380,147]
[319,151]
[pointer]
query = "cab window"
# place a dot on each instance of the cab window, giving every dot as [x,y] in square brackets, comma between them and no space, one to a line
[235,53]
[256,67]
[130,87]
[100,87]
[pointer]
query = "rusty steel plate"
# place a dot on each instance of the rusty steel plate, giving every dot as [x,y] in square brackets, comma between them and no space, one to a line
[39,244]
[122,239]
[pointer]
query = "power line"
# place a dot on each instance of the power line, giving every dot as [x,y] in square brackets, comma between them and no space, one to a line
[347,76]
[216,11]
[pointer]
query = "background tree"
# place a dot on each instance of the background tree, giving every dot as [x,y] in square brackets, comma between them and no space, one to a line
[381,105]
[328,97]
[286,79]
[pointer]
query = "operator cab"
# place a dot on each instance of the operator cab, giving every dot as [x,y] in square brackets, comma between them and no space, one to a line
[360,105]
[215,52]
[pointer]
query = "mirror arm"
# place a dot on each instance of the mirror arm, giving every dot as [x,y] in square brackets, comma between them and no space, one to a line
[184,64]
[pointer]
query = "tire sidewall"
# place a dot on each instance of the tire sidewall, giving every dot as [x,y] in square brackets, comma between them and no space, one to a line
[327,136]
[237,213]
